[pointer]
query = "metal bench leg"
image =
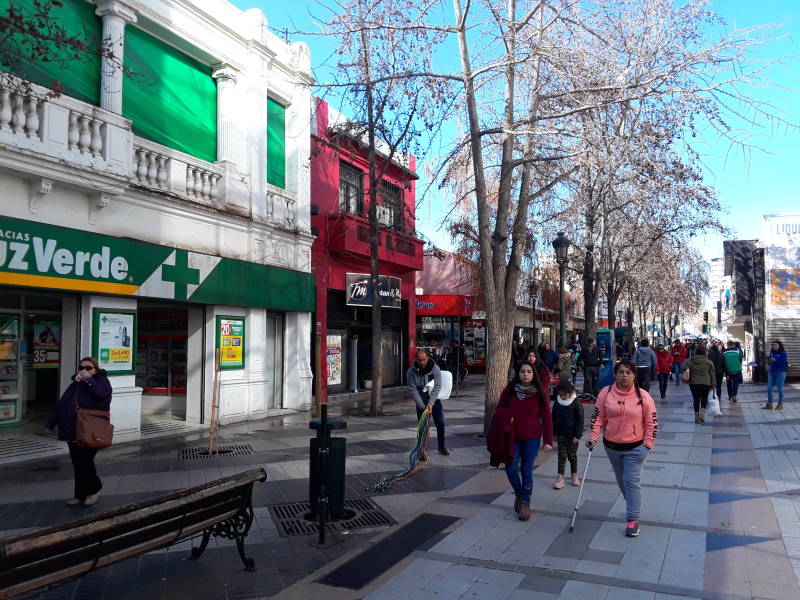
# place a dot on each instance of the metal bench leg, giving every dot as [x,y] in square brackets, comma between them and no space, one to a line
[249,563]
[196,552]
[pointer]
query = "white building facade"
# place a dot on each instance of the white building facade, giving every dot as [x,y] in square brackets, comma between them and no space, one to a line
[155,214]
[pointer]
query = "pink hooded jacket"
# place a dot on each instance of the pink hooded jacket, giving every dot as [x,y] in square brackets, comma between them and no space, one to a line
[623,419]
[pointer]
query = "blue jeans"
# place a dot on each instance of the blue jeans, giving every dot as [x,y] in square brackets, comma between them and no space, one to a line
[663,379]
[676,368]
[627,467]
[521,477]
[776,378]
[733,379]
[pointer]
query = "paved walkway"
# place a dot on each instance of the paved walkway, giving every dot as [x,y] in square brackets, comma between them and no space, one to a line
[719,521]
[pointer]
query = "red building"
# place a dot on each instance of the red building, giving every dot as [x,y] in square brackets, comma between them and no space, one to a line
[341,252]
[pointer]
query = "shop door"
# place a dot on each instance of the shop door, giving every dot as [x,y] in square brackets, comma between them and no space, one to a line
[390,344]
[41,359]
[274,361]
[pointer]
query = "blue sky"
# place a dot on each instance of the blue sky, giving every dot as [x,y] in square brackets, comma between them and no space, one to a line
[748,185]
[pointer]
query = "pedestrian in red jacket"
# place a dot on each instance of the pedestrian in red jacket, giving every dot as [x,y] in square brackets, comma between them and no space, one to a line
[663,369]
[526,398]
[679,353]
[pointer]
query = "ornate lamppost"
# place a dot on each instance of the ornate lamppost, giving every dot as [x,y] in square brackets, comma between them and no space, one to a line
[561,246]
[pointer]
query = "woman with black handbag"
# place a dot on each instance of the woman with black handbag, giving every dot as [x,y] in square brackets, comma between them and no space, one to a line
[90,389]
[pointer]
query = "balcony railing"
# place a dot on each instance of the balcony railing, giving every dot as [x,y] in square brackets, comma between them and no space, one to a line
[164,169]
[63,129]
[281,208]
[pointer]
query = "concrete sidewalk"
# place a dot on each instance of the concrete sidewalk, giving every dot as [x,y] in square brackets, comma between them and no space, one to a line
[719,521]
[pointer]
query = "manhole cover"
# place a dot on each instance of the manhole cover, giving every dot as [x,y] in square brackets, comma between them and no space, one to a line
[289,520]
[219,451]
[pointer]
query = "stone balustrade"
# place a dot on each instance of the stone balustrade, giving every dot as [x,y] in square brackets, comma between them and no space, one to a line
[281,207]
[63,128]
[174,172]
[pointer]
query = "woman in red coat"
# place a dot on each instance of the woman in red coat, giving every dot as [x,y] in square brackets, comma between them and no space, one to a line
[526,399]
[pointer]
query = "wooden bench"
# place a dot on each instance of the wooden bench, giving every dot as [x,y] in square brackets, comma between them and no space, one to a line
[50,555]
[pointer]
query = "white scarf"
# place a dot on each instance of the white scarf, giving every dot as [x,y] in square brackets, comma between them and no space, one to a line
[566,402]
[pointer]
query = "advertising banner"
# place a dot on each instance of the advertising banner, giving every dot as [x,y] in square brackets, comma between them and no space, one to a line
[113,332]
[333,359]
[230,341]
[359,290]
[781,237]
[444,305]
[39,255]
[46,344]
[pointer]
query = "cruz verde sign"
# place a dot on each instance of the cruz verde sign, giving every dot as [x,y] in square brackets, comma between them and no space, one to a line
[38,255]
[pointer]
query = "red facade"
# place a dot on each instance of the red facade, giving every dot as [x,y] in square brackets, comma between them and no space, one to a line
[339,211]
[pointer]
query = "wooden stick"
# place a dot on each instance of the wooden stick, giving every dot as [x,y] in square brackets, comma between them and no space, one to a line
[214,404]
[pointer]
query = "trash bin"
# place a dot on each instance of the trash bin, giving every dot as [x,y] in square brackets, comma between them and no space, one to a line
[335,468]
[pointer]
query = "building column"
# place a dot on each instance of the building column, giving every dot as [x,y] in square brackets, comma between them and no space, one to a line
[227,138]
[115,16]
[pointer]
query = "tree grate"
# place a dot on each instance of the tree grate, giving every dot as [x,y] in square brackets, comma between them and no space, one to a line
[288,518]
[219,451]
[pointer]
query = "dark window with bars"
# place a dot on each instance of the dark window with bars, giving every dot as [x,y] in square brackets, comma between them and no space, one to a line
[351,189]
[391,213]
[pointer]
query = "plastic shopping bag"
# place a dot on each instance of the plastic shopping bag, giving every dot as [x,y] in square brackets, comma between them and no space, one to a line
[713,409]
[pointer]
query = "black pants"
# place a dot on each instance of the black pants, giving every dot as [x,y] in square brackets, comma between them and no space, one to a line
[733,380]
[590,377]
[86,480]
[438,419]
[567,451]
[699,395]
[719,375]
[643,378]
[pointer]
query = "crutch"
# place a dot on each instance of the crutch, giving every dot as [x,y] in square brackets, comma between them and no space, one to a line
[580,490]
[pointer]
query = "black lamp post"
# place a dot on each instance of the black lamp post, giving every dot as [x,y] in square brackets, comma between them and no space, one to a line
[561,246]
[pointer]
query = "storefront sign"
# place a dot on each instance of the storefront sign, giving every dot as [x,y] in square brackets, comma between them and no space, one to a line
[444,305]
[113,344]
[359,290]
[46,344]
[39,255]
[474,345]
[230,341]
[333,359]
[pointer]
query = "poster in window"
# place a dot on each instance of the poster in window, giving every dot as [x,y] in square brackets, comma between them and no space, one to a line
[230,341]
[113,340]
[46,344]
[333,359]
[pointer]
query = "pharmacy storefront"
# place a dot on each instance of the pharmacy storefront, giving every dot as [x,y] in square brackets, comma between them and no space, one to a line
[156,318]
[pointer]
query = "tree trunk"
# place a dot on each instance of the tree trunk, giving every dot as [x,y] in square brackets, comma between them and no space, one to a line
[499,331]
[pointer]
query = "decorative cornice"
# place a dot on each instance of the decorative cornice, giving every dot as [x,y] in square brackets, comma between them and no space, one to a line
[117,9]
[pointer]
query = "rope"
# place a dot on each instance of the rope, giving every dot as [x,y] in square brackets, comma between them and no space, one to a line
[413,459]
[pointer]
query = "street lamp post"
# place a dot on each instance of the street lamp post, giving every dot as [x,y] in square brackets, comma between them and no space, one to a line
[561,246]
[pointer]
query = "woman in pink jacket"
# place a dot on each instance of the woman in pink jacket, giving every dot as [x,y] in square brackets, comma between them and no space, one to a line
[627,415]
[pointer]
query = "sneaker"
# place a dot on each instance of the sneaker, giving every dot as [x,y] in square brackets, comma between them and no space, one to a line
[632,530]
[73,502]
[444,451]
[767,406]
[91,500]
[559,482]
[575,479]
[517,503]
[734,399]
[780,406]
[524,511]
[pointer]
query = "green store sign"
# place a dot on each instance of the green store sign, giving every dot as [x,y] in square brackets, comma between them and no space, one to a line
[38,255]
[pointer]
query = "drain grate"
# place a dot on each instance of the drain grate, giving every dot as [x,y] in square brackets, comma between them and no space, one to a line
[219,451]
[289,520]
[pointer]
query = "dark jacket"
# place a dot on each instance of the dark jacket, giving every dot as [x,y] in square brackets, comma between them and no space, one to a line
[532,418]
[590,358]
[501,438]
[715,356]
[550,358]
[568,420]
[93,393]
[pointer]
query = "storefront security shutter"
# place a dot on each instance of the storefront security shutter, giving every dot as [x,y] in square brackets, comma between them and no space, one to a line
[78,75]
[170,97]
[788,332]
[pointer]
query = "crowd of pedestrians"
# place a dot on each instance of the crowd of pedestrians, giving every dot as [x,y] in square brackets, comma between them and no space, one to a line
[539,408]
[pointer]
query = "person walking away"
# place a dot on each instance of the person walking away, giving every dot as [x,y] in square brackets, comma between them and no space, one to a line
[733,371]
[90,389]
[526,399]
[778,366]
[420,375]
[591,360]
[701,379]
[568,429]
[678,358]
[627,416]
[645,360]
[715,356]
[549,357]
[663,369]
[564,365]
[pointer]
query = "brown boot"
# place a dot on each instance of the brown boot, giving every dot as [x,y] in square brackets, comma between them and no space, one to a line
[702,415]
[697,418]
